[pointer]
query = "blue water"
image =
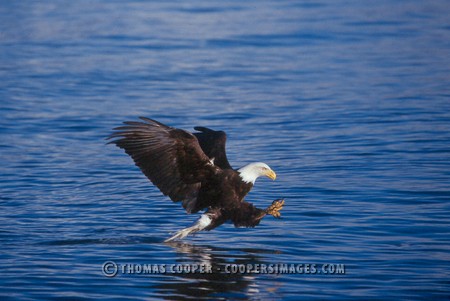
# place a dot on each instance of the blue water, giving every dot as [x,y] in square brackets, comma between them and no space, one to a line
[348,101]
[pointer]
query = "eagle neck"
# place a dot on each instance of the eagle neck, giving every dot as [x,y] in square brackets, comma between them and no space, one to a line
[248,175]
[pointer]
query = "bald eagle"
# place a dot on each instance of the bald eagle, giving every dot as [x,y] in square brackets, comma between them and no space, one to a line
[193,168]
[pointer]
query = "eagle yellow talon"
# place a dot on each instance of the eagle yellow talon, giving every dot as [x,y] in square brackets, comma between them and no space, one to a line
[275,208]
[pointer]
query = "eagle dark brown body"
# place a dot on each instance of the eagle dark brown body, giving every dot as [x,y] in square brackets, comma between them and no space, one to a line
[194,169]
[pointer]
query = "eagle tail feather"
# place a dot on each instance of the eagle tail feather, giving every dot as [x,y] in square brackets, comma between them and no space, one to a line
[203,222]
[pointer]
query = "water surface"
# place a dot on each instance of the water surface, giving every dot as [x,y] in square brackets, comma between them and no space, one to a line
[347,101]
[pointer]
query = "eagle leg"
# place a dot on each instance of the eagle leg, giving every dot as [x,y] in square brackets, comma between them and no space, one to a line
[203,222]
[275,208]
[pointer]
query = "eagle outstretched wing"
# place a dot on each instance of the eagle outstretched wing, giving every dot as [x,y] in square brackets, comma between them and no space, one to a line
[171,158]
[213,145]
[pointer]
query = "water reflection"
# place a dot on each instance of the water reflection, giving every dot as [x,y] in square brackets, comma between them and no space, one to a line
[218,284]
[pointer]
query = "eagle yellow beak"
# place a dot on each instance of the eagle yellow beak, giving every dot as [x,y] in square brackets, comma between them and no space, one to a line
[271,174]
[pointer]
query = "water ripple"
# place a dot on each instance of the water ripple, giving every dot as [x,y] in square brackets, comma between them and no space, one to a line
[348,102]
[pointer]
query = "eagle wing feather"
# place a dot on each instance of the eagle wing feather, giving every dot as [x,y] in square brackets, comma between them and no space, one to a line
[213,145]
[171,158]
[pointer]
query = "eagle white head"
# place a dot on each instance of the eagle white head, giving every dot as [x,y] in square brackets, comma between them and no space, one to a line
[249,173]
